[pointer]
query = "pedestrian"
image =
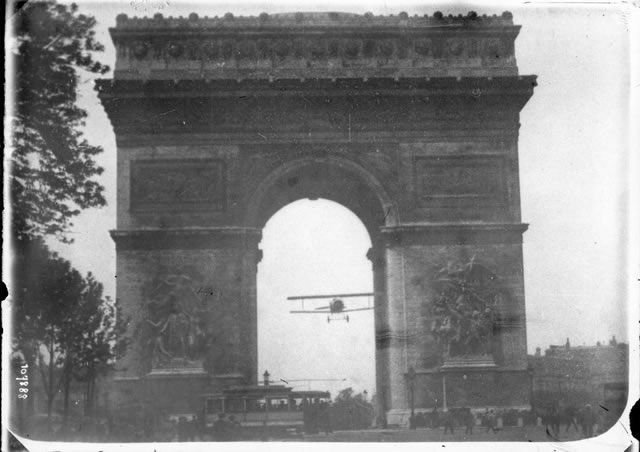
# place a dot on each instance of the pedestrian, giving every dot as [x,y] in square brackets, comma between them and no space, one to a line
[469,422]
[220,429]
[233,427]
[434,417]
[182,429]
[491,422]
[325,420]
[449,423]
[192,431]
[588,420]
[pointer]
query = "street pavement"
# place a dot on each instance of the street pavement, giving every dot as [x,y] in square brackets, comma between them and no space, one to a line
[526,434]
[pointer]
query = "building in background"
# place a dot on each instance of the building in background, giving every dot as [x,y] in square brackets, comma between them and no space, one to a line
[578,375]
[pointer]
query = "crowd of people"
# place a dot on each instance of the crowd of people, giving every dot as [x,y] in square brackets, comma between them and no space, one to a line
[584,420]
[321,416]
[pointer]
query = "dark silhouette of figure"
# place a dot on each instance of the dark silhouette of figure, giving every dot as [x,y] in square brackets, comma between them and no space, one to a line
[469,421]
[233,428]
[434,417]
[492,422]
[221,429]
[449,423]
[193,430]
[182,429]
[588,419]
[325,418]
[570,416]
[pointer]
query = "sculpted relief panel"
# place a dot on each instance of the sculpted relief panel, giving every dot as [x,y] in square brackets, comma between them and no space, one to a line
[455,181]
[185,320]
[175,320]
[465,310]
[178,185]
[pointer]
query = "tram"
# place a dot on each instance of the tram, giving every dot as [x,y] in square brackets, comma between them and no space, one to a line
[273,408]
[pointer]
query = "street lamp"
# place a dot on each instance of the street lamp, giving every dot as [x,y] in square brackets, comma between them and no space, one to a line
[411,378]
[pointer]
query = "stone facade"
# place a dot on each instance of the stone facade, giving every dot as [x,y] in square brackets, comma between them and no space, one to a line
[412,123]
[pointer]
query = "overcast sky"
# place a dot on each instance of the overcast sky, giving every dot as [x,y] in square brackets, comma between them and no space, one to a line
[573,167]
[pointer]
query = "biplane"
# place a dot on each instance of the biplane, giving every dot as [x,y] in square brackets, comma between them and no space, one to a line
[336,309]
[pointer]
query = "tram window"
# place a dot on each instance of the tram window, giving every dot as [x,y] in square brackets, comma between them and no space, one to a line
[278,404]
[234,405]
[252,405]
[214,405]
[260,404]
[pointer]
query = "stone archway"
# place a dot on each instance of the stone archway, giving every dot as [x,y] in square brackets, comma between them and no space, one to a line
[407,121]
[329,176]
[344,181]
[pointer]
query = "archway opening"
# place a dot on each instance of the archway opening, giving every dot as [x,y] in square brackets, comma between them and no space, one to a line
[315,247]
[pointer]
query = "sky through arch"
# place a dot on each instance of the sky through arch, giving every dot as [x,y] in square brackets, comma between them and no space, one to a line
[315,247]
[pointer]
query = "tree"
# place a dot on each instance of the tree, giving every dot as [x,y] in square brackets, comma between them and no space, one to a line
[63,325]
[351,411]
[52,163]
[47,291]
[92,349]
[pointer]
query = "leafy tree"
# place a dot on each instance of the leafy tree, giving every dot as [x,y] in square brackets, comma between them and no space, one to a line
[92,349]
[46,292]
[52,163]
[351,411]
[63,325]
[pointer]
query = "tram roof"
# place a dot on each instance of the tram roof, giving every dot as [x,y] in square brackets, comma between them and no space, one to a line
[261,391]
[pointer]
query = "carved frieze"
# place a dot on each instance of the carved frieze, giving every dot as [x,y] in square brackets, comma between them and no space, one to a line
[444,181]
[178,185]
[274,43]
[493,50]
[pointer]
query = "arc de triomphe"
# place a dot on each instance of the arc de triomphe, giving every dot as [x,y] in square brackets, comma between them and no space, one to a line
[410,122]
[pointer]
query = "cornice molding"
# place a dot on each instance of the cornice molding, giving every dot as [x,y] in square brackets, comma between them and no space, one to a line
[312,19]
[453,234]
[191,238]
[343,86]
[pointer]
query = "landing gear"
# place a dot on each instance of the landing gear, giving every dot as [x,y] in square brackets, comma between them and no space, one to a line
[347,319]
[328,319]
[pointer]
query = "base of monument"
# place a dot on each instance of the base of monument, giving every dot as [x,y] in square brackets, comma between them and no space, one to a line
[400,417]
[177,390]
[176,372]
[179,366]
[476,384]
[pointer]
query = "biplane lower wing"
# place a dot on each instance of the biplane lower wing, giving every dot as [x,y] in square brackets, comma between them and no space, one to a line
[310,312]
[336,295]
[358,309]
